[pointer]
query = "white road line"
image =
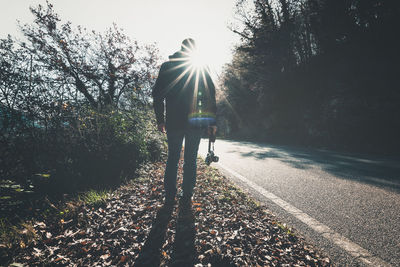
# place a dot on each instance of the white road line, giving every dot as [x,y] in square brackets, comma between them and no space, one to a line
[352,248]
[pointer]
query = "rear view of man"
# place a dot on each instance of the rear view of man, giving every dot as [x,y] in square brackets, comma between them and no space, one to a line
[189,95]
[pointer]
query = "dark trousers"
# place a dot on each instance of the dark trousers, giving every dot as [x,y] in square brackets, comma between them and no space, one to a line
[192,140]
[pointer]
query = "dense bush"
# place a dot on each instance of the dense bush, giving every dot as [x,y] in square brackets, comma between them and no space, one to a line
[92,149]
[74,105]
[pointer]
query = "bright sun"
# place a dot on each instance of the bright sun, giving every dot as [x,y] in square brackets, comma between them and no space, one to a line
[202,57]
[199,60]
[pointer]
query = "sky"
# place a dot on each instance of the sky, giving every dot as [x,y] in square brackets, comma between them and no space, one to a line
[164,22]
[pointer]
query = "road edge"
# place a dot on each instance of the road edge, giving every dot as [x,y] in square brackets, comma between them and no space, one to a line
[359,253]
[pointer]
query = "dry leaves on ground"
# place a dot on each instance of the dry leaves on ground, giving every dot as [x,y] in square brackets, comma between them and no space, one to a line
[221,227]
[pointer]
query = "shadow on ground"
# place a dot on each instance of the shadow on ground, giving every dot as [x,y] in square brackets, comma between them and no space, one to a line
[378,171]
[150,254]
[184,252]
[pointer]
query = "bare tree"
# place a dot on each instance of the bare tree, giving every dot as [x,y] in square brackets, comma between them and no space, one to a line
[104,69]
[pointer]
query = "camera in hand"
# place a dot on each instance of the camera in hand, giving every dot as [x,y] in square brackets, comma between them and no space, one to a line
[211,157]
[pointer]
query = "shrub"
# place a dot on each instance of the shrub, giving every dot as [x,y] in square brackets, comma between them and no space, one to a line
[90,149]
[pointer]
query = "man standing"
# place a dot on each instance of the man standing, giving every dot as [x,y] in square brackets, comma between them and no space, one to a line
[189,95]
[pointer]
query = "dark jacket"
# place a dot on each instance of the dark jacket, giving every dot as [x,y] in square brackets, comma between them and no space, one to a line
[189,95]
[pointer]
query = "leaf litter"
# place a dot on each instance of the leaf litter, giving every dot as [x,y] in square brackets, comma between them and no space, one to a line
[222,226]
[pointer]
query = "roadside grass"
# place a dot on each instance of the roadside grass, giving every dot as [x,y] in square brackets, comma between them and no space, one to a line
[94,198]
[8,234]
[285,228]
[22,233]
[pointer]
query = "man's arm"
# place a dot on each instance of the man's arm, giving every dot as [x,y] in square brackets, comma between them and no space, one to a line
[158,99]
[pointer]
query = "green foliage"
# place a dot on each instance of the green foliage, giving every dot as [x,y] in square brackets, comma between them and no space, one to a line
[92,149]
[101,148]
[74,106]
[94,198]
[319,72]
[21,234]
[7,233]
[285,228]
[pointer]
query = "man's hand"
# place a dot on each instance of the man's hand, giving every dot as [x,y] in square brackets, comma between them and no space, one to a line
[212,130]
[161,127]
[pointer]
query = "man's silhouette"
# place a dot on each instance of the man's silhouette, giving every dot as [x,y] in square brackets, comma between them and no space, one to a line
[189,95]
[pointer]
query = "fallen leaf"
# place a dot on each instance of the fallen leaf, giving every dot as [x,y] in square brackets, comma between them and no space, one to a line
[58,259]
[83,232]
[105,256]
[123,259]
[41,225]
[210,251]
[237,249]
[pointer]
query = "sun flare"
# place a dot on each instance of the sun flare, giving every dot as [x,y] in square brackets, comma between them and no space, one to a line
[200,57]
[198,60]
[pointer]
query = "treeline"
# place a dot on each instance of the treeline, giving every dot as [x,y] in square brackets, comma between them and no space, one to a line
[74,105]
[315,72]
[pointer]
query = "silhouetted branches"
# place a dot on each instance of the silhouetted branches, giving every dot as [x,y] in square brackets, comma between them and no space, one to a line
[74,103]
[316,72]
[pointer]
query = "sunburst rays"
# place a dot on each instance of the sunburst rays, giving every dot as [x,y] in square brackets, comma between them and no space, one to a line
[187,64]
[197,78]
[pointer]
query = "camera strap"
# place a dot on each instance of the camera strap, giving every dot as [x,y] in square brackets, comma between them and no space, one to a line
[210,144]
[211,140]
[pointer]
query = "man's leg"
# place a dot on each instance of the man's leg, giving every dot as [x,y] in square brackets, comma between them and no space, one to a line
[192,141]
[175,139]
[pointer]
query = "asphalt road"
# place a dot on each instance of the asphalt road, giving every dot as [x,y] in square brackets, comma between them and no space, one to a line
[348,206]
